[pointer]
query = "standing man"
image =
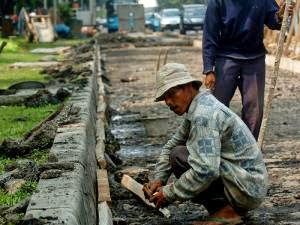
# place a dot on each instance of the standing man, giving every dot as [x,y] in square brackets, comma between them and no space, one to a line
[213,155]
[234,53]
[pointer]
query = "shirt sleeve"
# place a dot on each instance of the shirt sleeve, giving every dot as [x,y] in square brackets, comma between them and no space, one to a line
[272,20]
[163,166]
[204,163]
[210,36]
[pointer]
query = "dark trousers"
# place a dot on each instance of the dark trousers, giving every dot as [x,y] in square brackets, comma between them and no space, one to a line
[213,198]
[249,77]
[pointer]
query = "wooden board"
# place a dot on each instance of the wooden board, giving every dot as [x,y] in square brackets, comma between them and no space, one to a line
[100,149]
[136,188]
[103,187]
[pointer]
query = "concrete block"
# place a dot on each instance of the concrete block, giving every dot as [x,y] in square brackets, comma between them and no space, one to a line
[52,216]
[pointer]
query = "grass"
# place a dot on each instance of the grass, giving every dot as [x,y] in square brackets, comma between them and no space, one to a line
[9,76]
[39,156]
[15,121]
[20,44]
[11,199]
[18,50]
[12,57]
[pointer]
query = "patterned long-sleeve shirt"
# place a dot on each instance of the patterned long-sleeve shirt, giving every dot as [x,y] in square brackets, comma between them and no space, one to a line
[219,145]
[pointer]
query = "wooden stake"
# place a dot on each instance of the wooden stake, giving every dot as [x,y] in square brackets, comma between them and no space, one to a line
[275,74]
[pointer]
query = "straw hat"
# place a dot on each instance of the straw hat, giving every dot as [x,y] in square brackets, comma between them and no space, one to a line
[172,75]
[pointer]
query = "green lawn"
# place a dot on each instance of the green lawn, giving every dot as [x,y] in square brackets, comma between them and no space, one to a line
[14,53]
[20,44]
[25,191]
[18,50]
[15,121]
[10,76]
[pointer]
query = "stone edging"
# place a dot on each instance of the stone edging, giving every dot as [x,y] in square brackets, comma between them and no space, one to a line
[72,197]
[285,63]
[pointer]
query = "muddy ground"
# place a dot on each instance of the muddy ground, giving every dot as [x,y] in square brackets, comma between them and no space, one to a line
[132,101]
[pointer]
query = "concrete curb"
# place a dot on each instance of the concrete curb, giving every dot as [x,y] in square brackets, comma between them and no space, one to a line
[72,197]
[285,63]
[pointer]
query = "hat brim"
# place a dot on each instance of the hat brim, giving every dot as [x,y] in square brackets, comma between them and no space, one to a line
[159,95]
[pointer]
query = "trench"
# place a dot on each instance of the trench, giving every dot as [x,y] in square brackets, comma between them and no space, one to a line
[141,127]
[139,147]
[133,109]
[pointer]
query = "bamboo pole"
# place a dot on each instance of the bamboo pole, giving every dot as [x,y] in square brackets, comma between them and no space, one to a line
[279,52]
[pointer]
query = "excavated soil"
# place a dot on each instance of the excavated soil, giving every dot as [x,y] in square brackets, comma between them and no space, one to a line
[132,102]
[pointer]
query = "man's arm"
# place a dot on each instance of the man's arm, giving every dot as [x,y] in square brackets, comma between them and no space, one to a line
[204,161]
[274,14]
[210,36]
[163,166]
[272,20]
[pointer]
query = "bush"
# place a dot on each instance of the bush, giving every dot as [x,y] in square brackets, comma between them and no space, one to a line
[11,46]
[65,13]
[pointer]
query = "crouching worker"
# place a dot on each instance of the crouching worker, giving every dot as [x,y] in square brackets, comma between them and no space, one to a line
[213,154]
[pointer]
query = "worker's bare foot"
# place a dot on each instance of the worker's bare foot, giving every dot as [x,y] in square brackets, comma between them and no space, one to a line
[225,216]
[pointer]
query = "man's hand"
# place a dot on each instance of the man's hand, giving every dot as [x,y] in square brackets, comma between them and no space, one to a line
[210,80]
[281,9]
[158,198]
[151,187]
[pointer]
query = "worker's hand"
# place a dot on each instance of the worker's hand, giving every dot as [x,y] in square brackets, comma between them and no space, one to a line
[158,198]
[210,80]
[151,187]
[282,7]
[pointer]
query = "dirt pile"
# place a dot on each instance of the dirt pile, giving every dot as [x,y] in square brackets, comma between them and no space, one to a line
[123,40]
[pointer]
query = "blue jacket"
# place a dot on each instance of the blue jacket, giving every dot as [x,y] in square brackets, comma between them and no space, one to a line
[234,28]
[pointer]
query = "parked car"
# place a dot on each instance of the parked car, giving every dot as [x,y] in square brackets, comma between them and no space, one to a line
[170,19]
[192,17]
[152,21]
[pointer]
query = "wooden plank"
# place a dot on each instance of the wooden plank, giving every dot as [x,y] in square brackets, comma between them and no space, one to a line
[100,130]
[136,188]
[105,216]
[100,149]
[103,187]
